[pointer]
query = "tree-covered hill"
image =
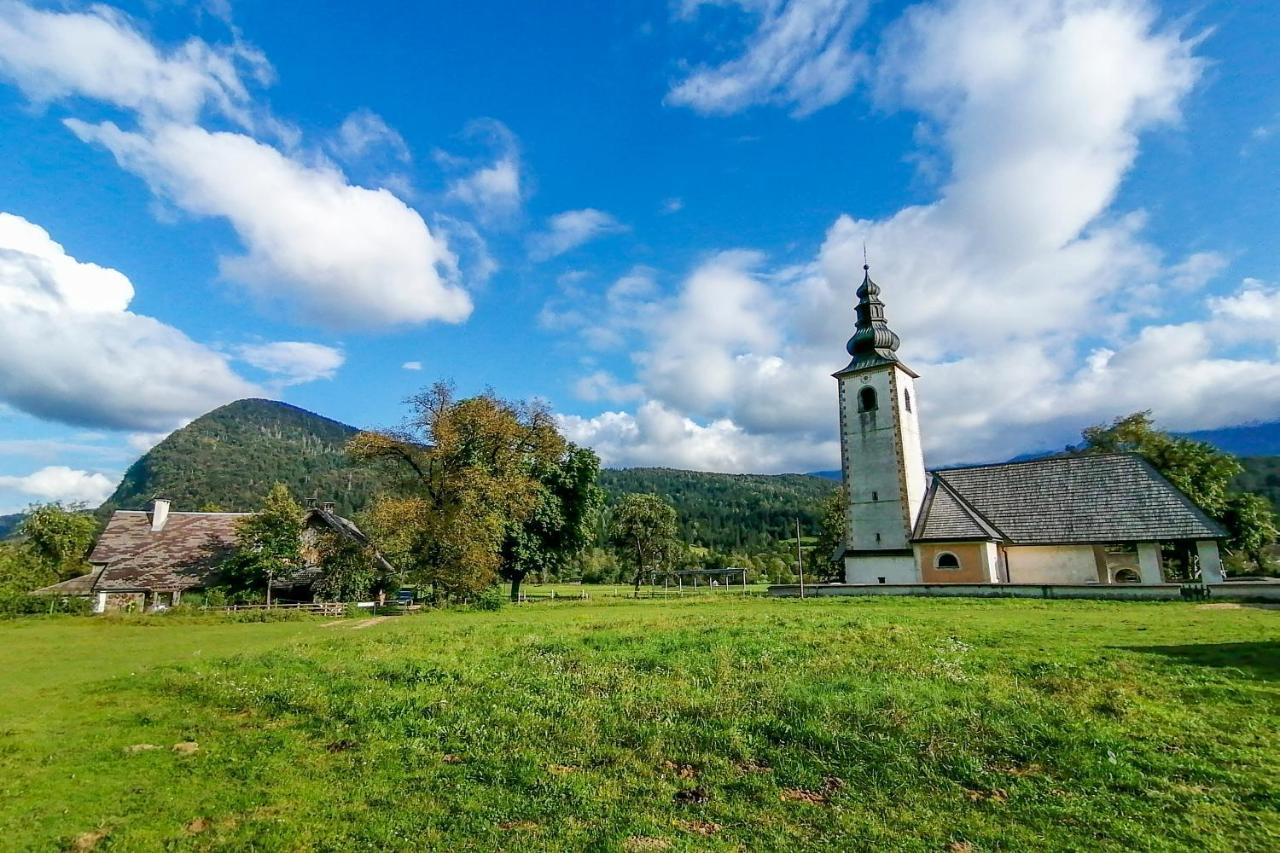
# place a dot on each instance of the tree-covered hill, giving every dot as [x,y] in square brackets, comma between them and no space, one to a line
[728,511]
[231,456]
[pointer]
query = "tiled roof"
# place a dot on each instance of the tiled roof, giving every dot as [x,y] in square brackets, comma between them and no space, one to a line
[183,554]
[1075,499]
[945,517]
[81,585]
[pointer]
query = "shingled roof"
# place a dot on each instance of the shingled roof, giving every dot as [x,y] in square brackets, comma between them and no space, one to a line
[183,554]
[1061,500]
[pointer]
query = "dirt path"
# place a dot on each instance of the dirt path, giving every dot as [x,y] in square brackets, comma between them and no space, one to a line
[356,626]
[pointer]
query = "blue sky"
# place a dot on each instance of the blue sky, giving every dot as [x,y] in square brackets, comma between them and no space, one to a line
[649,214]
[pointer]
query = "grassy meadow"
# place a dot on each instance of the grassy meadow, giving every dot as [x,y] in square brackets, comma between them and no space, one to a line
[707,723]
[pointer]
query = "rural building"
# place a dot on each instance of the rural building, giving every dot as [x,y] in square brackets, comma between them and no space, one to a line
[1060,520]
[152,557]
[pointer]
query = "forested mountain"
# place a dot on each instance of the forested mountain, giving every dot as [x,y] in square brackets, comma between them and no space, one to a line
[1262,476]
[231,456]
[728,512]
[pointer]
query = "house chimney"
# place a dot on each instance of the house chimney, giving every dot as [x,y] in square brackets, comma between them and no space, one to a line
[159,514]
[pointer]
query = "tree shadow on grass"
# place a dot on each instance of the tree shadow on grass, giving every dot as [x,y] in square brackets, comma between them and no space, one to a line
[1261,660]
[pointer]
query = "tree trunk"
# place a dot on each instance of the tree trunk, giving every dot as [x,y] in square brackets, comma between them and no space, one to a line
[516,579]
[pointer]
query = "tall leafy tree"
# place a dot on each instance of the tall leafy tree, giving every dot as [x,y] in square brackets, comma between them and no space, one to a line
[644,533]
[268,543]
[59,536]
[1201,471]
[831,527]
[347,568]
[468,478]
[561,524]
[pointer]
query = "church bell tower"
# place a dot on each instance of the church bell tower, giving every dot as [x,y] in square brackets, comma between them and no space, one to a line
[881,459]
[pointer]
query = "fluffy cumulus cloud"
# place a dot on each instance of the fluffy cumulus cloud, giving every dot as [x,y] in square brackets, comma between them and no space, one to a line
[345,256]
[72,352]
[342,255]
[571,229]
[60,483]
[293,362]
[99,54]
[1028,303]
[800,56]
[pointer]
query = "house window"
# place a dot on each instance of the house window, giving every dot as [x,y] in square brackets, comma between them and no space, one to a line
[906,398]
[875,496]
[947,561]
[877,538]
[867,400]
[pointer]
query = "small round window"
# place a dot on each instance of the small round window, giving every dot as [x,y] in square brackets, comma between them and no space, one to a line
[947,560]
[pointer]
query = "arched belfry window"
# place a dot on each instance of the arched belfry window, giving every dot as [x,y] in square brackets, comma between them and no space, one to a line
[867,400]
[947,560]
[906,398]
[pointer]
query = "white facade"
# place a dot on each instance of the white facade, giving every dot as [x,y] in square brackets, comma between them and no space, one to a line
[883,474]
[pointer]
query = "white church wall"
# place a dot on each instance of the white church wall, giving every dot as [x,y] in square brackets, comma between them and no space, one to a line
[872,569]
[1051,564]
[912,446]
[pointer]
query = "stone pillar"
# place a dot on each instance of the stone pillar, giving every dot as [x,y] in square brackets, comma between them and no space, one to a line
[1210,561]
[990,562]
[1149,562]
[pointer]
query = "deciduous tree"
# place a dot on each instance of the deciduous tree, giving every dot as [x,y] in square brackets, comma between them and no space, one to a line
[561,524]
[268,543]
[644,532]
[468,480]
[59,536]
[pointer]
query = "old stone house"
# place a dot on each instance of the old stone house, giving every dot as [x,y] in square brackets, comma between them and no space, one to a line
[155,557]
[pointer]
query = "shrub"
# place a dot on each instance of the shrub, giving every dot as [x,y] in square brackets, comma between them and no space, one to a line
[490,599]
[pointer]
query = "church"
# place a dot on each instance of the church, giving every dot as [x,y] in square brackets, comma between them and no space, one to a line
[1095,519]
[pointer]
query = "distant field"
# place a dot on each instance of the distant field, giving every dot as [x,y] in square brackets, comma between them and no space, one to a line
[729,723]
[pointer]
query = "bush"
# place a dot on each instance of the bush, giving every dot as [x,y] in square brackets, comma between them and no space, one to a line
[490,599]
[13,604]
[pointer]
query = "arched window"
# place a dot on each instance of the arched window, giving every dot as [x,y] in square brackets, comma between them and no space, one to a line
[946,560]
[906,398]
[867,400]
[1127,576]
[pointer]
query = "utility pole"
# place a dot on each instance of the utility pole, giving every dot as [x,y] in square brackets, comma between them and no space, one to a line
[270,573]
[799,558]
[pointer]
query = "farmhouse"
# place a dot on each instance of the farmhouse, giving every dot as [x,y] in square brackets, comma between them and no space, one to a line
[152,557]
[1098,519]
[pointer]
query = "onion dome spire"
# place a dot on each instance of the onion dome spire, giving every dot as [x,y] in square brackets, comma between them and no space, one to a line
[873,343]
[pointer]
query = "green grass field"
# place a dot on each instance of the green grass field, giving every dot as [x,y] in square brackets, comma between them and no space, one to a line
[730,723]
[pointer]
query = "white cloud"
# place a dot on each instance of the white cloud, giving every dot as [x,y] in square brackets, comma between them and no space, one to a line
[60,483]
[365,132]
[799,56]
[1029,305]
[99,54]
[495,190]
[411,365]
[602,385]
[72,352]
[345,256]
[656,435]
[293,362]
[570,229]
